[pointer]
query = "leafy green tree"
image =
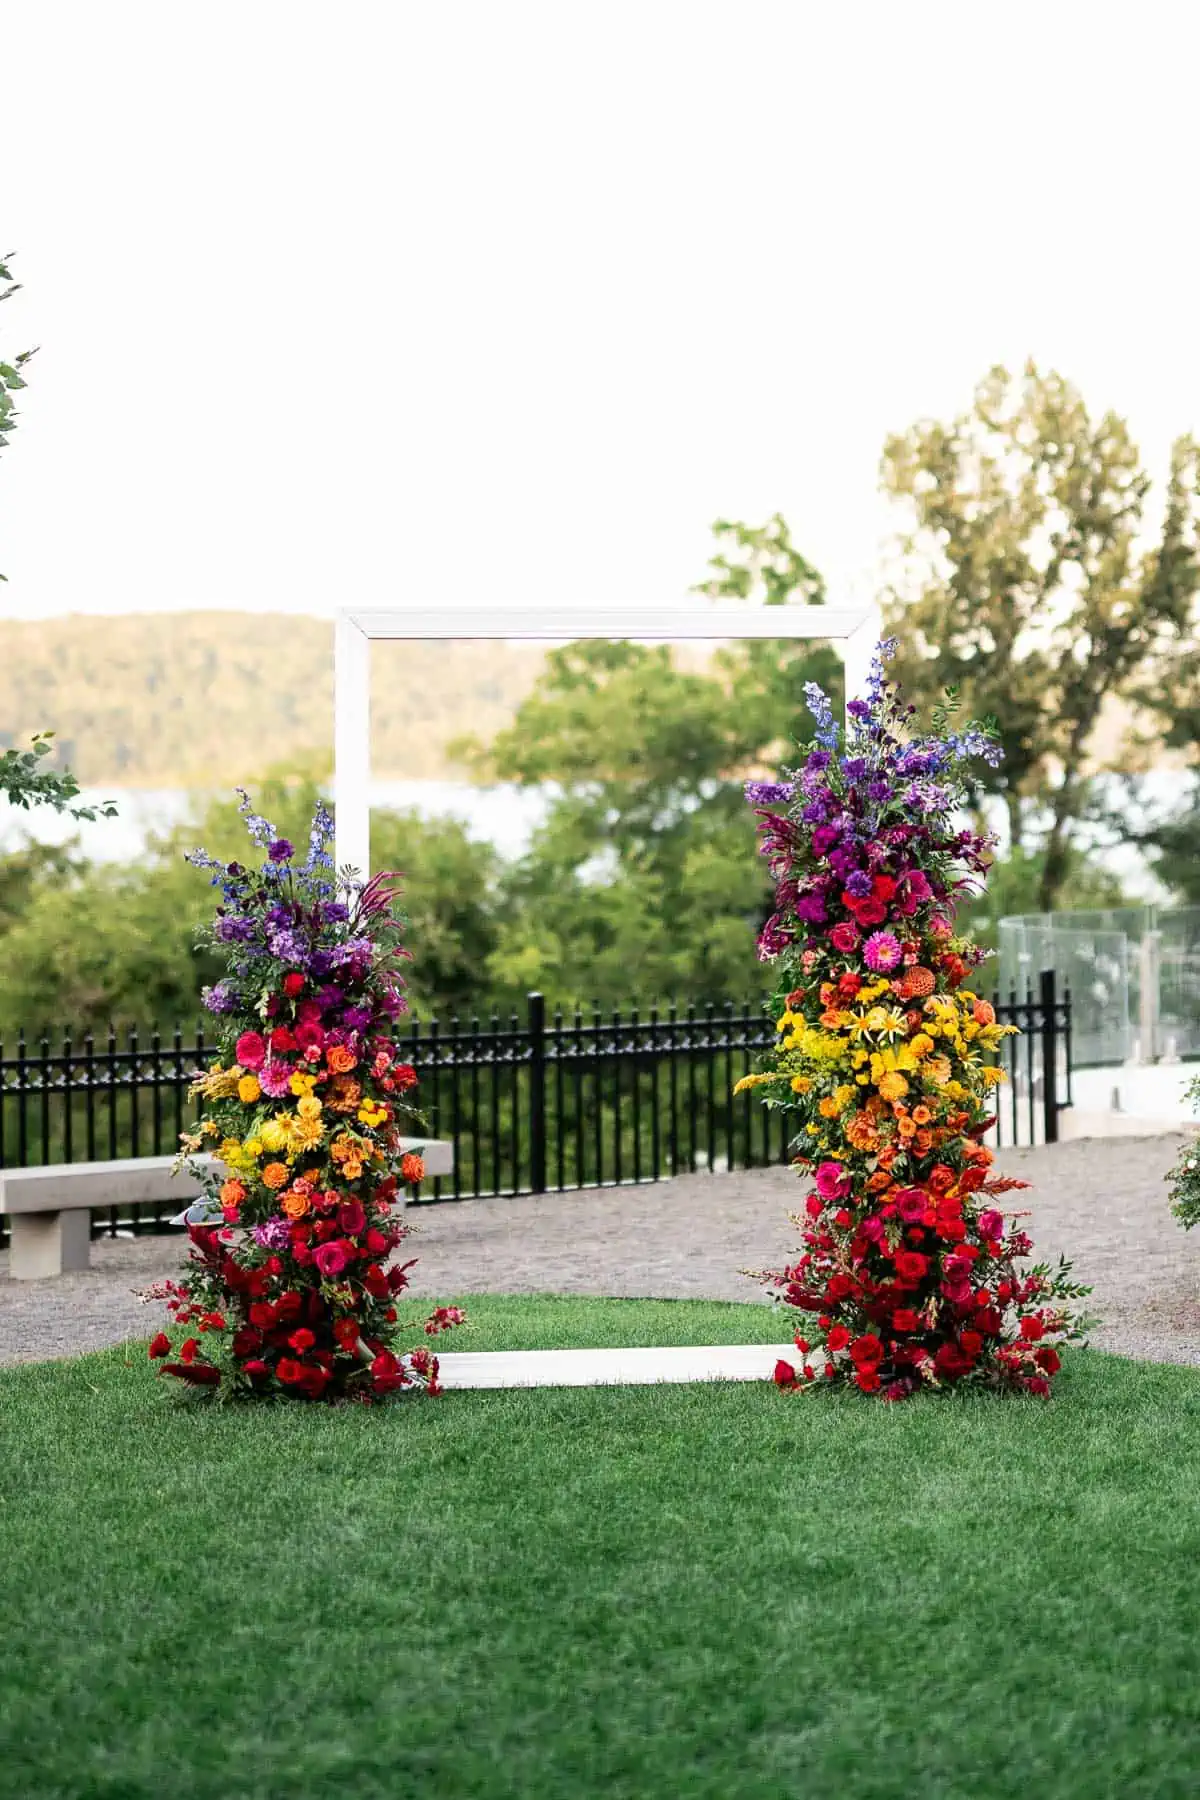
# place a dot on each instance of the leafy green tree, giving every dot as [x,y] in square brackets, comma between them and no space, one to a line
[1033,582]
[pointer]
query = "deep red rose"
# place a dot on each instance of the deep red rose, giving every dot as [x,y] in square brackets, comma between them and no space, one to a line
[911,1265]
[245,1340]
[883,888]
[293,984]
[188,1349]
[837,1337]
[302,1340]
[256,1369]
[867,1379]
[198,1374]
[376,1242]
[262,1314]
[1047,1358]
[950,1362]
[839,1287]
[904,1319]
[346,1333]
[785,1374]
[288,1306]
[160,1345]
[351,1217]
[866,1351]
[972,1343]
[1031,1329]
[404,1077]
[289,1370]
[987,1320]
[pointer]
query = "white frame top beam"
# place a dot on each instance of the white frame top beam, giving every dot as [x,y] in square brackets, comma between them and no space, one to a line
[858,628]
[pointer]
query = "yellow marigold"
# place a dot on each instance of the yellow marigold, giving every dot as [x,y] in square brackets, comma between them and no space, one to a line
[828,1107]
[892,1085]
[309,1107]
[275,1175]
[302,1084]
[249,1090]
[801,1085]
[231,1148]
[921,1044]
[254,1147]
[274,1133]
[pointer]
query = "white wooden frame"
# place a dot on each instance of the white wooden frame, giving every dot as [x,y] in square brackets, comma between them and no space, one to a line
[857,628]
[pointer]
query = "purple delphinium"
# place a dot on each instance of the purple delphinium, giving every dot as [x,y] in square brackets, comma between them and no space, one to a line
[769,793]
[281,851]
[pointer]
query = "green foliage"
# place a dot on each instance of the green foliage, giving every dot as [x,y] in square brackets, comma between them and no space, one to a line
[1173,847]
[1027,584]
[1184,1178]
[25,781]
[11,378]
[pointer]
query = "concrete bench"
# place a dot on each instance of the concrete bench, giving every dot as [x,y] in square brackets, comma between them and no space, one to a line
[50,1209]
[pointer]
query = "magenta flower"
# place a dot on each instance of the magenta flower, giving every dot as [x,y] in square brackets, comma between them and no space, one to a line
[275,1078]
[882,952]
[251,1051]
[331,1259]
[833,1182]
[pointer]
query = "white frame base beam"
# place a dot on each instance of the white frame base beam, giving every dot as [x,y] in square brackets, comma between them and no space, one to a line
[611,1368]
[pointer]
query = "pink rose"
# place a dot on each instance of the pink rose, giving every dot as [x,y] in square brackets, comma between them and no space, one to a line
[991,1223]
[833,1182]
[251,1051]
[331,1259]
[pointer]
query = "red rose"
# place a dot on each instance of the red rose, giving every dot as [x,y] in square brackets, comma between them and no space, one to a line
[404,1076]
[883,888]
[256,1369]
[785,1375]
[376,1282]
[282,1039]
[911,1265]
[198,1374]
[351,1217]
[971,1343]
[839,1287]
[376,1242]
[866,1351]
[906,1320]
[288,1307]
[262,1314]
[289,1370]
[246,1339]
[160,1345]
[794,999]
[346,1333]
[1031,1329]
[837,1337]
[867,1379]
[302,1340]
[188,1349]
[951,1363]
[293,984]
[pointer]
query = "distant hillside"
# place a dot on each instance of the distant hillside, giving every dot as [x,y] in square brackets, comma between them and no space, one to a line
[196,699]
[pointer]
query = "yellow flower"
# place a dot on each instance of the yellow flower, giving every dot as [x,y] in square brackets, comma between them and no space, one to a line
[892,1085]
[230,1148]
[801,1085]
[993,1076]
[309,1107]
[274,1133]
[920,1044]
[371,1113]
[753,1081]
[248,1089]
[254,1147]
[306,1134]
[302,1084]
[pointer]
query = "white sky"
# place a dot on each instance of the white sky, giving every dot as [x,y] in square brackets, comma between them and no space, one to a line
[509,301]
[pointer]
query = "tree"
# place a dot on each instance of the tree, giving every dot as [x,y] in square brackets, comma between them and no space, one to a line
[1027,585]
[24,779]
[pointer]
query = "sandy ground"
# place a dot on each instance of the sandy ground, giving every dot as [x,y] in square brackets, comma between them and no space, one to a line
[1100,1201]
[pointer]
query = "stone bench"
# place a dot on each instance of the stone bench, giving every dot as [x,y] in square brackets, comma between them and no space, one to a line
[50,1209]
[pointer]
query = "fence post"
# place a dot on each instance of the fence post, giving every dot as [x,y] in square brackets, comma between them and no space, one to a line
[1049,1004]
[537,1093]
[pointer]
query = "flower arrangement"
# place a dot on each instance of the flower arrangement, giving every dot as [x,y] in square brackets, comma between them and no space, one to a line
[884,1055]
[286,1290]
[1184,1178]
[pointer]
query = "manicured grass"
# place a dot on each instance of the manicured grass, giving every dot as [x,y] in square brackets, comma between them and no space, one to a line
[716,1593]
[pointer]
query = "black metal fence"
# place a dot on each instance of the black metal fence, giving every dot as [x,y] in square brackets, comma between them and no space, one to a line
[542,1103]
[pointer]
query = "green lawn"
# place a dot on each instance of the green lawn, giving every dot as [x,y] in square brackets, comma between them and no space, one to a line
[685,1591]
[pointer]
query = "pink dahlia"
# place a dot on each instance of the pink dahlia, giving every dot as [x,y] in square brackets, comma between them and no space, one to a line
[275,1078]
[882,952]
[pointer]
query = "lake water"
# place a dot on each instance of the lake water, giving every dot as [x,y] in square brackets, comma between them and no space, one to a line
[505,816]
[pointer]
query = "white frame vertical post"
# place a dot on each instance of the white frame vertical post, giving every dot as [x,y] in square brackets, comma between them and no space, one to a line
[857,628]
[352,744]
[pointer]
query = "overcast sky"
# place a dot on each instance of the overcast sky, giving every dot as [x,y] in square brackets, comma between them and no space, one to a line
[378,302]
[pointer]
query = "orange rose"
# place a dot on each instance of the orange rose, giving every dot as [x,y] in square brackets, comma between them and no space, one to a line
[922,1115]
[878,1182]
[341,1059]
[276,1175]
[984,1012]
[233,1192]
[412,1168]
[294,1205]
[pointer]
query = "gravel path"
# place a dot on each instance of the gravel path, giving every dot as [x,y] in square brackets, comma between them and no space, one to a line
[1101,1201]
